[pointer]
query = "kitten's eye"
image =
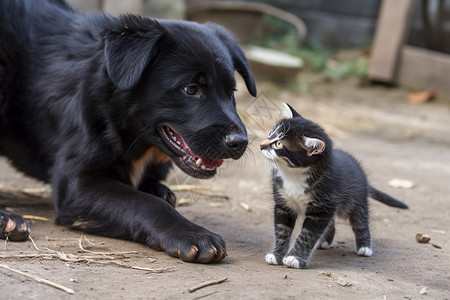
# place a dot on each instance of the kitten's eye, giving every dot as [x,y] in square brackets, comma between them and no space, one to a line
[279,144]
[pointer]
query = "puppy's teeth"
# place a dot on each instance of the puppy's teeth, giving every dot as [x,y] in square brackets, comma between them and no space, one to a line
[199,162]
[171,133]
[203,167]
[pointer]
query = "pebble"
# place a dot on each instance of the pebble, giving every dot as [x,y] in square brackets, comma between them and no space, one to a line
[401,183]
[422,238]
[343,282]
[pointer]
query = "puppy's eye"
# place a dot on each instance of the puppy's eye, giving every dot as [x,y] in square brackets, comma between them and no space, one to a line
[278,144]
[191,90]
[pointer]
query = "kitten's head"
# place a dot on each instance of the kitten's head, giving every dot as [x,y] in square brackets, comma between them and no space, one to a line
[296,142]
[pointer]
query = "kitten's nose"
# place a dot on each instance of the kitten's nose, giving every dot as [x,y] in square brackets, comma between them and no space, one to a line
[236,142]
[264,144]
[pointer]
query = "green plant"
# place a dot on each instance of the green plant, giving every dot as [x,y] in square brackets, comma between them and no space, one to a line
[282,36]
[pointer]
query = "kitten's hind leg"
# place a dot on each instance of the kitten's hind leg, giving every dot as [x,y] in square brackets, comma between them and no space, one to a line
[327,239]
[284,224]
[359,221]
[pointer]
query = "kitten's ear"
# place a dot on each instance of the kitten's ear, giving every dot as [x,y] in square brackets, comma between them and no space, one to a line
[289,112]
[314,146]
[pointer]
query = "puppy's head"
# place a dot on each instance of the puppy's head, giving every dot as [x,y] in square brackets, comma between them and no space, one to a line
[179,80]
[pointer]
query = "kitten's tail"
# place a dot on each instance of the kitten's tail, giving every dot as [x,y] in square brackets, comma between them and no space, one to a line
[385,198]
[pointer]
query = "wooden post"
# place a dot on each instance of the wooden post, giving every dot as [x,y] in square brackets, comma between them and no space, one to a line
[426,69]
[392,28]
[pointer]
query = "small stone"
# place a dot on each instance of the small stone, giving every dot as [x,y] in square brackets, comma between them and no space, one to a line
[245,206]
[401,183]
[343,282]
[422,238]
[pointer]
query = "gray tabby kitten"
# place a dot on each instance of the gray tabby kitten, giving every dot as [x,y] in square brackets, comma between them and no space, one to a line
[313,180]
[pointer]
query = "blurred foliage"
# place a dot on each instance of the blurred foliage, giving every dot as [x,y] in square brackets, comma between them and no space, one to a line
[282,36]
[356,67]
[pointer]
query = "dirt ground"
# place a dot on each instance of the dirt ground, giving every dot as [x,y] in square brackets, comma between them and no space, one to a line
[392,138]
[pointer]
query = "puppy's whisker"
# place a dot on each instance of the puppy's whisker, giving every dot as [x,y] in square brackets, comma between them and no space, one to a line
[134,142]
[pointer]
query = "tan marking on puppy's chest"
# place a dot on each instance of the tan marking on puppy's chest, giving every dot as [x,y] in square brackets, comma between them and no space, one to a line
[152,155]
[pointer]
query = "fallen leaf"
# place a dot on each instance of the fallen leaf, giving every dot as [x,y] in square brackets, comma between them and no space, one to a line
[328,274]
[421,97]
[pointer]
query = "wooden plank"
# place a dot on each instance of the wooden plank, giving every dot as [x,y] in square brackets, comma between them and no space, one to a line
[424,69]
[392,27]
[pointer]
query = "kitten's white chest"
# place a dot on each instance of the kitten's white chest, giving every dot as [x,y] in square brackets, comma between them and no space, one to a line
[293,189]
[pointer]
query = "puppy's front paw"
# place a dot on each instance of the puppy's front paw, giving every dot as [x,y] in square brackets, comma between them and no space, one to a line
[170,197]
[14,227]
[165,193]
[197,245]
[161,191]
[294,262]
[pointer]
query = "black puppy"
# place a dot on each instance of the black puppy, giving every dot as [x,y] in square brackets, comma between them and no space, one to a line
[99,106]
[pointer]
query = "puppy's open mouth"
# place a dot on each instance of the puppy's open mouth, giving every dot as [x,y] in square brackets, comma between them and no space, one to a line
[197,166]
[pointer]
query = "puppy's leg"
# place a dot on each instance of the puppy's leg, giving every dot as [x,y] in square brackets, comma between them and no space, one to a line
[107,207]
[13,227]
[150,182]
[3,103]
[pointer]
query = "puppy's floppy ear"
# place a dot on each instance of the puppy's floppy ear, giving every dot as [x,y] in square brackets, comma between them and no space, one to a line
[239,60]
[129,48]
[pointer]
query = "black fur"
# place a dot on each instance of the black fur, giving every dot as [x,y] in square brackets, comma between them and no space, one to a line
[13,227]
[87,101]
[313,180]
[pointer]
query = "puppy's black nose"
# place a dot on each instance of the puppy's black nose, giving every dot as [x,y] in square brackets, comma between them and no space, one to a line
[237,143]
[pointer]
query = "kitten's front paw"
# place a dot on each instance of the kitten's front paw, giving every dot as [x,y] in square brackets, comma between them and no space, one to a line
[325,245]
[365,251]
[294,262]
[271,259]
